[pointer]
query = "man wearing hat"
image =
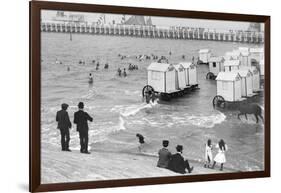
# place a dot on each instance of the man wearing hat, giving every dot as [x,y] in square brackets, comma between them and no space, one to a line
[177,162]
[164,155]
[64,125]
[81,119]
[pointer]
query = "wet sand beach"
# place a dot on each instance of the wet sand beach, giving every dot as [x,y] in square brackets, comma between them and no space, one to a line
[103,165]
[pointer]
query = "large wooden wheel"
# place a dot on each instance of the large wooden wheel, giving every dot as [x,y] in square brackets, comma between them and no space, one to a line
[210,76]
[147,90]
[148,93]
[218,101]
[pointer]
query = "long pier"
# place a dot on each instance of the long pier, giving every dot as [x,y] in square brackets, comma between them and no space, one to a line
[184,33]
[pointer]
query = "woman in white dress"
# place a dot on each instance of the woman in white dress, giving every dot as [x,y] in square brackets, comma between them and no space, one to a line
[220,157]
[208,153]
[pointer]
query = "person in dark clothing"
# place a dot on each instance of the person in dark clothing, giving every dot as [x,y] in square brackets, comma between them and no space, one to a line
[64,125]
[164,155]
[177,162]
[124,72]
[141,141]
[119,71]
[81,119]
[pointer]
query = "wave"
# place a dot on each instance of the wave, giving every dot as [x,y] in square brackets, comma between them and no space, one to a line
[131,110]
[207,121]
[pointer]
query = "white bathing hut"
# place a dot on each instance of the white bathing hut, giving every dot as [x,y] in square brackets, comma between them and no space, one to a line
[229,86]
[256,54]
[244,49]
[191,77]
[204,55]
[256,77]
[246,82]
[230,65]
[244,56]
[216,65]
[245,59]
[180,77]
[162,76]
[233,55]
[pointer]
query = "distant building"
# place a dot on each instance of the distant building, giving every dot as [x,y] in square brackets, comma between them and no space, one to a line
[138,20]
[73,18]
[257,27]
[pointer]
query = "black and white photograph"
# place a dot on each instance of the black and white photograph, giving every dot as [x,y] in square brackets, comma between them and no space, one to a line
[139,96]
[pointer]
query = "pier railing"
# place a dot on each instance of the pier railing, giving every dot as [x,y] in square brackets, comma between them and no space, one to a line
[155,32]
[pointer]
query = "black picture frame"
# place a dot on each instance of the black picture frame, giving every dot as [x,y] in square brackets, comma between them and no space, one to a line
[35,184]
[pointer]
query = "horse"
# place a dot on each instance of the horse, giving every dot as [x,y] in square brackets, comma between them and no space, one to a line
[255,109]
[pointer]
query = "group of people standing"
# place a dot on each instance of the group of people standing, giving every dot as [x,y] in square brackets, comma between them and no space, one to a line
[81,119]
[220,156]
[119,71]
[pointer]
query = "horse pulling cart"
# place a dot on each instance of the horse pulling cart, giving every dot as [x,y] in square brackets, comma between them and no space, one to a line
[166,81]
[233,88]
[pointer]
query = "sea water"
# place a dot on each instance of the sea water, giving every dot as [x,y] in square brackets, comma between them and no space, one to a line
[117,106]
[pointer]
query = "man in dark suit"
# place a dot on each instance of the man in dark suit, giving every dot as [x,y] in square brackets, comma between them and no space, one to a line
[164,155]
[64,125]
[177,162]
[81,119]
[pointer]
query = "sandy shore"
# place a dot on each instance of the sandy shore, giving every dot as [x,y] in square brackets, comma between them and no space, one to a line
[58,166]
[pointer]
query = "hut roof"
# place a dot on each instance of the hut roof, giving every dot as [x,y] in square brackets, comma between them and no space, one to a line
[216,59]
[231,63]
[245,53]
[243,49]
[186,64]
[160,67]
[235,53]
[243,72]
[179,67]
[228,76]
[257,50]
[253,69]
[204,51]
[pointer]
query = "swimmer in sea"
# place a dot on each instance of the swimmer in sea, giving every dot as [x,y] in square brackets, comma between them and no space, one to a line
[119,72]
[124,72]
[141,141]
[91,78]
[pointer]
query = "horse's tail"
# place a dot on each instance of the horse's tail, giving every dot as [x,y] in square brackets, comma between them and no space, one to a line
[261,108]
[261,111]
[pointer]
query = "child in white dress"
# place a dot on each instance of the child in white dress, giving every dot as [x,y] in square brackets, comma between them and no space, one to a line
[220,157]
[208,153]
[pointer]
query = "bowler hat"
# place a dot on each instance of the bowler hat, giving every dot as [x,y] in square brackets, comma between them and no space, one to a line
[80,105]
[165,143]
[179,148]
[64,106]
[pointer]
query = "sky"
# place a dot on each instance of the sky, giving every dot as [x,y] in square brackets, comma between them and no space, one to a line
[47,15]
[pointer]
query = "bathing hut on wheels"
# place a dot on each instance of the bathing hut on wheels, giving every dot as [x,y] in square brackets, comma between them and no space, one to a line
[255,55]
[165,81]
[191,77]
[230,65]
[204,56]
[233,55]
[180,77]
[215,66]
[246,82]
[256,77]
[228,89]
